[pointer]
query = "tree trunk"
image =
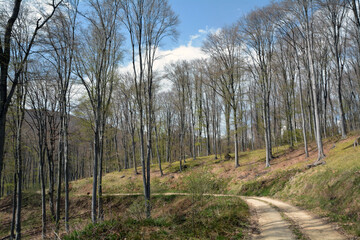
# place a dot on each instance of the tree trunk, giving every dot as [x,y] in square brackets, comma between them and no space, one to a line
[19,171]
[157,150]
[133,152]
[101,158]
[236,137]
[50,158]
[321,154]
[66,167]
[266,132]
[95,175]
[227,121]
[302,111]
[12,228]
[43,193]
[2,140]
[168,144]
[59,175]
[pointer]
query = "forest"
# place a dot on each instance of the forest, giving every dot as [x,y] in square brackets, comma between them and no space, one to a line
[284,74]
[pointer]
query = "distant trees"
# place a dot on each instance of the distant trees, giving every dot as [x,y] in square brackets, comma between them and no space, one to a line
[295,62]
[224,50]
[179,74]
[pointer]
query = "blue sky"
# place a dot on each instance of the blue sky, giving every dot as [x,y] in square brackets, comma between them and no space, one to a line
[208,14]
[197,19]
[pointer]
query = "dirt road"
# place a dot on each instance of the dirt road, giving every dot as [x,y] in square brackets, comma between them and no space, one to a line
[309,226]
[271,225]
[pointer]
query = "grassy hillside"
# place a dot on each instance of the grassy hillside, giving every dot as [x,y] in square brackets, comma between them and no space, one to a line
[331,190]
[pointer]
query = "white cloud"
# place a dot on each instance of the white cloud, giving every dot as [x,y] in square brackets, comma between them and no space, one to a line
[192,38]
[180,53]
[188,52]
[165,57]
[202,31]
[208,30]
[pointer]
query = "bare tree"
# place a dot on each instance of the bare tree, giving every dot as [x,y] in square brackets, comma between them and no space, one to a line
[38,97]
[5,49]
[18,117]
[305,10]
[60,37]
[148,22]
[96,67]
[336,13]
[178,73]
[260,38]
[224,48]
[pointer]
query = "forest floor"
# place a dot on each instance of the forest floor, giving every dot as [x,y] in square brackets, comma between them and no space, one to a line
[330,191]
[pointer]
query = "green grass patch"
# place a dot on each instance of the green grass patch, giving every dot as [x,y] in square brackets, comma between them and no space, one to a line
[268,186]
[216,218]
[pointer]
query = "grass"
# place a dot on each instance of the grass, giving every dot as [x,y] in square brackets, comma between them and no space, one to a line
[173,218]
[268,186]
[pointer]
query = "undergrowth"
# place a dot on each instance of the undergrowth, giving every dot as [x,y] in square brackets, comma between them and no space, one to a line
[217,218]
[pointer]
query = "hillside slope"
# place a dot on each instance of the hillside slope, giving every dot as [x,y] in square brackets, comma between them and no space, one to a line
[331,190]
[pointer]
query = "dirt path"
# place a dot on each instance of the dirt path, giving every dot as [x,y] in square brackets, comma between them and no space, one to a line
[311,227]
[272,225]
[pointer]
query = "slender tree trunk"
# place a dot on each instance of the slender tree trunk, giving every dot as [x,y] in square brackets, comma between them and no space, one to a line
[149,151]
[50,158]
[66,167]
[342,112]
[227,121]
[252,127]
[2,140]
[95,175]
[133,152]
[101,158]
[59,174]
[157,150]
[208,147]
[181,147]
[267,140]
[168,144]
[309,51]
[303,113]
[12,229]
[321,154]
[269,145]
[117,151]
[236,137]
[43,193]
[19,170]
